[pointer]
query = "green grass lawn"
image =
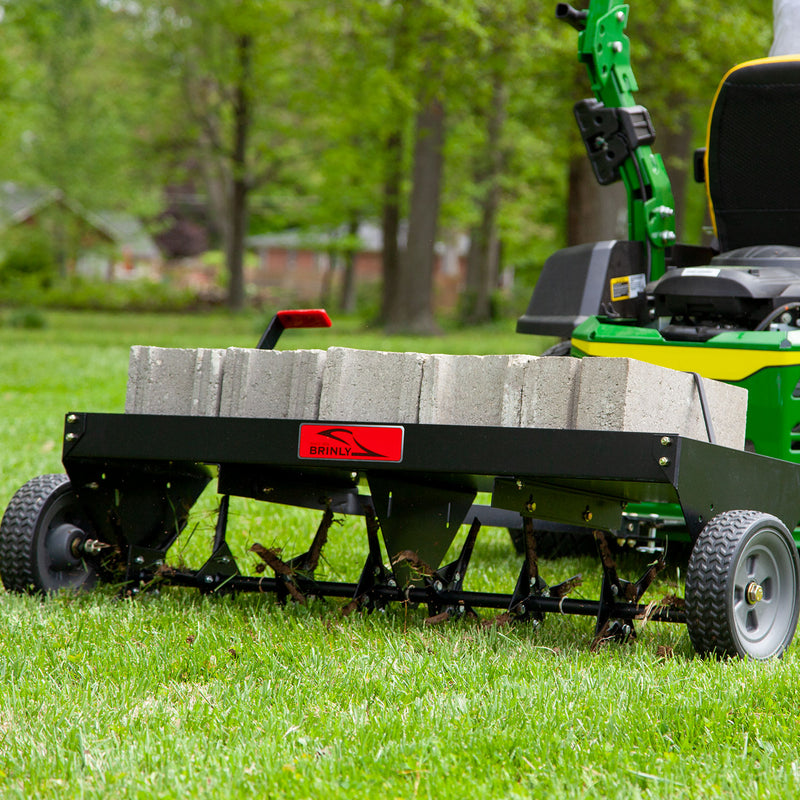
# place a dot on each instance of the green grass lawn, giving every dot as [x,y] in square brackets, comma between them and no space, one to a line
[174,694]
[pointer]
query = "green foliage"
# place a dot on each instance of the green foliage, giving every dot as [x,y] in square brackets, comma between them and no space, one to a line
[111,101]
[83,294]
[27,255]
[27,318]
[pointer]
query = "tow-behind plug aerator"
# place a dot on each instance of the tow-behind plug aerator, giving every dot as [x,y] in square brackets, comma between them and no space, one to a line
[601,447]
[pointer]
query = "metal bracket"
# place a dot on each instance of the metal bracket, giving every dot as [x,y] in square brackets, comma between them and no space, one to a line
[373,574]
[450,578]
[614,589]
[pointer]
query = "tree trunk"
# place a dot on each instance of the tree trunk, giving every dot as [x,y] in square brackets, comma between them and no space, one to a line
[595,212]
[482,258]
[391,224]
[413,312]
[240,188]
[348,296]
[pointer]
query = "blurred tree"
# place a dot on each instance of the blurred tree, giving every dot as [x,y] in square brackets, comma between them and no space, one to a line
[226,73]
[73,106]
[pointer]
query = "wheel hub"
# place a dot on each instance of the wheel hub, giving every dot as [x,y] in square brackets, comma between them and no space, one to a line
[754,593]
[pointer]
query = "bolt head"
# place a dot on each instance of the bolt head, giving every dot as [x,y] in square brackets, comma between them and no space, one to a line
[663,461]
[754,593]
[139,560]
[666,441]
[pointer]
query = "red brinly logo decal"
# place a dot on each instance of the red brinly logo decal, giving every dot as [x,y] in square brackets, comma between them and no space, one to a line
[351,442]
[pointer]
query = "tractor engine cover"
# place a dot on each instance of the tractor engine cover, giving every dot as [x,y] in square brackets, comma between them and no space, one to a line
[729,295]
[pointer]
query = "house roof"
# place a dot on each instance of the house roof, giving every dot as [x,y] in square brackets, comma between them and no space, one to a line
[19,203]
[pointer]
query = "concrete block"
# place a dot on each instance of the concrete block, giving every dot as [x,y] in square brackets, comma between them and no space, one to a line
[621,394]
[371,386]
[472,390]
[546,392]
[174,381]
[278,384]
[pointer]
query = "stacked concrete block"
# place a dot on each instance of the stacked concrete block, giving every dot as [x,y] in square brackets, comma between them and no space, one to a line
[472,390]
[173,381]
[281,384]
[613,394]
[621,394]
[371,386]
[547,396]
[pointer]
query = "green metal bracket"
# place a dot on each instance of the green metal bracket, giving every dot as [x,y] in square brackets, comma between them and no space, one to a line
[605,50]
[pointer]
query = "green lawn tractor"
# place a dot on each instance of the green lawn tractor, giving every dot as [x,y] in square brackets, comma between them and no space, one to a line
[730,313]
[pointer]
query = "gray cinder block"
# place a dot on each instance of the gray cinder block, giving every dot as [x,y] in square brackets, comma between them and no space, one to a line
[281,384]
[472,390]
[174,381]
[546,392]
[622,394]
[371,386]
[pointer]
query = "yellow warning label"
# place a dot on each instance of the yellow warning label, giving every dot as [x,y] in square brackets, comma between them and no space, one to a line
[620,289]
[628,287]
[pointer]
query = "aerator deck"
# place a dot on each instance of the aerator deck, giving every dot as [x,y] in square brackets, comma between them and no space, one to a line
[133,480]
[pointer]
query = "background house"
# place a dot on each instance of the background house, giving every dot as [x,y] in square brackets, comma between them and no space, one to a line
[102,245]
[308,265]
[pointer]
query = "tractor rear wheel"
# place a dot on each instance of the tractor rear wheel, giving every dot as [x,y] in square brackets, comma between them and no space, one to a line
[743,587]
[41,539]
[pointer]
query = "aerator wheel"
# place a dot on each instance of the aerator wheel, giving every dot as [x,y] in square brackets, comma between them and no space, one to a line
[743,587]
[41,536]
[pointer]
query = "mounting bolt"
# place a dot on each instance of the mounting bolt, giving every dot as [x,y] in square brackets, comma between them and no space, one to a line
[615,590]
[664,211]
[138,560]
[72,418]
[530,506]
[438,585]
[666,441]
[663,461]
[587,515]
[391,582]
[209,579]
[616,47]
[754,593]
[519,484]
[620,16]
[458,577]
[71,437]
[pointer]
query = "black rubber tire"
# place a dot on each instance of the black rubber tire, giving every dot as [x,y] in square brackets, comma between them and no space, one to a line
[559,349]
[37,528]
[736,554]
